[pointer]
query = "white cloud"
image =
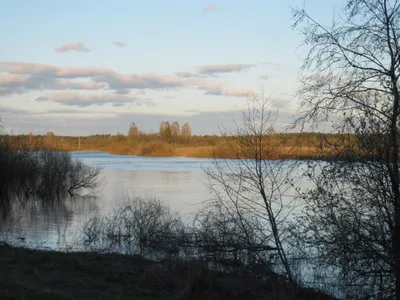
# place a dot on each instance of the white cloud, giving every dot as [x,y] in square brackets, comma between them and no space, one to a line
[76,46]
[211,88]
[241,92]
[223,68]
[209,8]
[119,44]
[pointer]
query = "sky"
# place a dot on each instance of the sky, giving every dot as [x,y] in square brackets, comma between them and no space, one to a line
[88,67]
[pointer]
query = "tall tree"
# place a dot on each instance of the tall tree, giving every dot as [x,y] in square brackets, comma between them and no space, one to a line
[165,131]
[186,131]
[133,131]
[351,78]
[175,131]
[250,190]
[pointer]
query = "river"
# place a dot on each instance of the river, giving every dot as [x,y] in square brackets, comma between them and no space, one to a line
[178,181]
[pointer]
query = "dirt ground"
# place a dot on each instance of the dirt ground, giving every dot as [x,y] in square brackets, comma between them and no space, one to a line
[33,274]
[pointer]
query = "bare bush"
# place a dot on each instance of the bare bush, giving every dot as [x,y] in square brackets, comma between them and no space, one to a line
[229,237]
[144,226]
[45,176]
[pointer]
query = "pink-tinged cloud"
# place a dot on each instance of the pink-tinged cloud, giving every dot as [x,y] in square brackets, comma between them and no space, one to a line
[72,72]
[224,68]
[76,85]
[76,46]
[210,88]
[12,79]
[139,81]
[83,100]
[209,8]
[23,77]
[185,74]
[119,44]
[239,93]
[26,68]
[50,71]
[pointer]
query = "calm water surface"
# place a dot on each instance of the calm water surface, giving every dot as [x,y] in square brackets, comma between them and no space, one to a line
[177,181]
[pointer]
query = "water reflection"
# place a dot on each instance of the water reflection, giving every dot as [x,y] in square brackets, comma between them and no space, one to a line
[180,182]
[56,226]
[177,181]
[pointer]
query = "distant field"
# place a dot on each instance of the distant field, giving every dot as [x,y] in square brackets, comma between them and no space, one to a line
[282,146]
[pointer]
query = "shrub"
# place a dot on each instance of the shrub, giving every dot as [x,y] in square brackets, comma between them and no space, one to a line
[45,176]
[156,148]
[143,225]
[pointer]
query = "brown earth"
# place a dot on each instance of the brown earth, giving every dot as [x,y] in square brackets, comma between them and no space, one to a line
[34,274]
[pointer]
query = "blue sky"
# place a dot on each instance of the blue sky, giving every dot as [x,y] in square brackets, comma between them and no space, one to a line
[85,67]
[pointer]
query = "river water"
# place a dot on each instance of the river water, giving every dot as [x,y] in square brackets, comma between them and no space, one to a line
[178,181]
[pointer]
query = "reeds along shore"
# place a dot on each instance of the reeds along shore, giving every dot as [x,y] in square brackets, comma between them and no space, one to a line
[278,146]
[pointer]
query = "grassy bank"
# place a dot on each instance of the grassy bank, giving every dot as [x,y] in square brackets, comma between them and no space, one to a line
[286,146]
[33,274]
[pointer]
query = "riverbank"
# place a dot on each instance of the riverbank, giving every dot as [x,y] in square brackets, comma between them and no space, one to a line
[279,146]
[34,274]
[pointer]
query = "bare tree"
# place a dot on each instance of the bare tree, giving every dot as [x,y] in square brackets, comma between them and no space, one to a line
[175,131]
[186,131]
[350,78]
[133,131]
[165,131]
[251,188]
[82,176]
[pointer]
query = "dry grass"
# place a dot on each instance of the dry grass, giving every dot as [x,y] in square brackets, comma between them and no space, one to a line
[193,151]
[286,146]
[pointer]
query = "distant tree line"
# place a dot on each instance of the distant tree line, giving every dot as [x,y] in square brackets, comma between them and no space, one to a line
[170,132]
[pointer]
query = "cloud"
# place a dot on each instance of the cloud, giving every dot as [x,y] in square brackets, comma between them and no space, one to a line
[51,71]
[209,8]
[84,100]
[239,93]
[276,66]
[73,85]
[11,79]
[119,44]
[139,81]
[11,110]
[23,77]
[23,83]
[185,74]
[76,46]
[65,82]
[280,103]
[26,68]
[122,92]
[211,88]
[217,89]
[264,77]
[224,68]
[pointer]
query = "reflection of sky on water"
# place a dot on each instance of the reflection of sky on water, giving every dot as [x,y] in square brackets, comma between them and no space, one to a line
[178,181]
